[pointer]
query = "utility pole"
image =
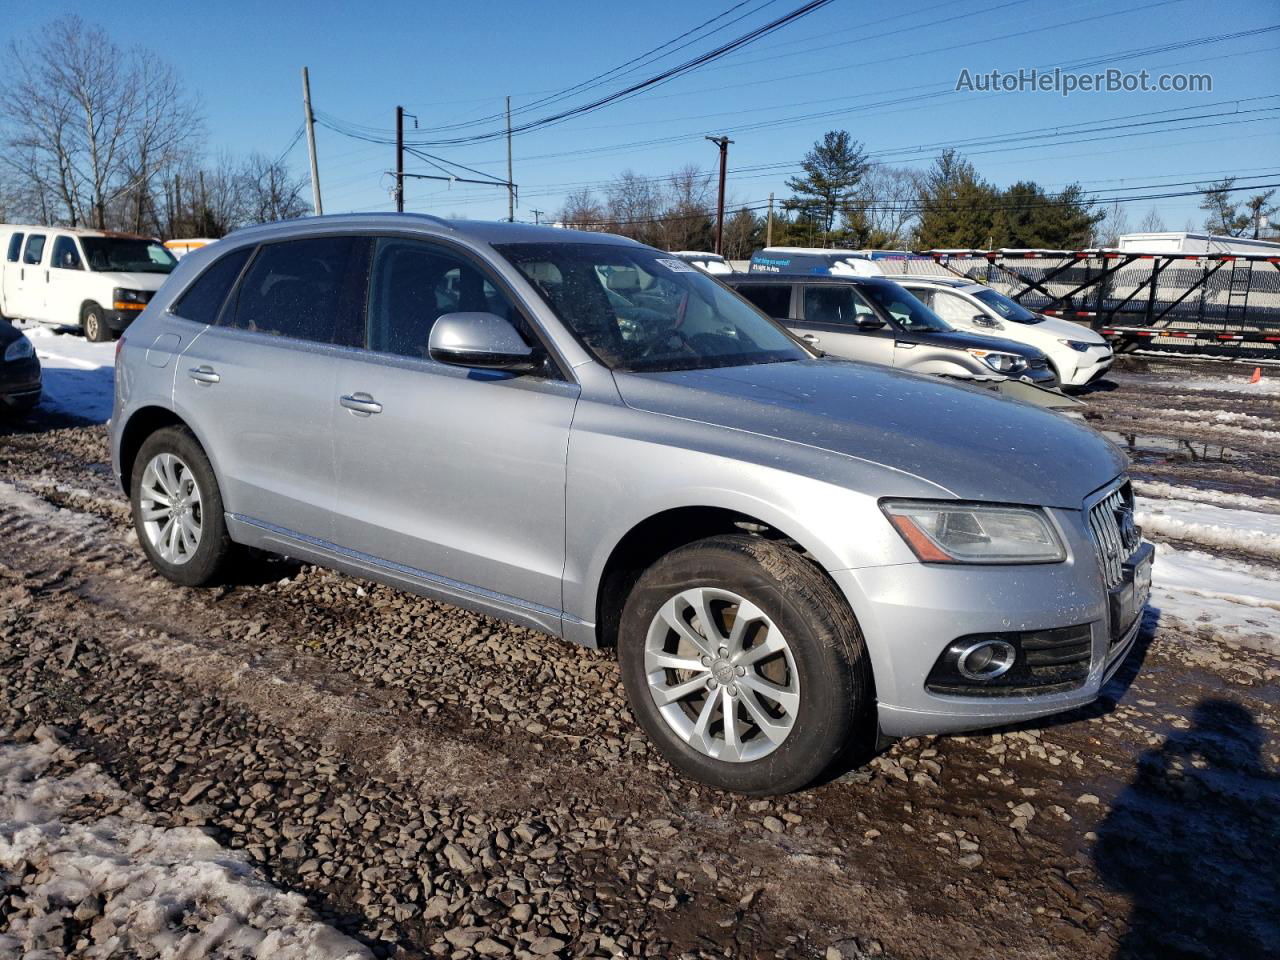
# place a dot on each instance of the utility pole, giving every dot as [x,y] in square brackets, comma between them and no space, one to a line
[311,143]
[399,159]
[511,187]
[768,229]
[537,215]
[723,144]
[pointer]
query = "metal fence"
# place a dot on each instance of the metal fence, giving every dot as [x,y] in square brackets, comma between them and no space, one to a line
[1221,304]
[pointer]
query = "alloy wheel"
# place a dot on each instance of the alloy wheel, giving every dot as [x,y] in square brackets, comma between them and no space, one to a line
[722,674]
[171,508]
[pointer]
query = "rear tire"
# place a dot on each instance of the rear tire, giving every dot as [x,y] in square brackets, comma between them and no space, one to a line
[92,323]
[794,676]
[177,509]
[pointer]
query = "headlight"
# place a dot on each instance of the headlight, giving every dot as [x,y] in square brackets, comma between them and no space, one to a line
[1000,362]
[129,299]
[1078,345]
[20,349]
[944,532]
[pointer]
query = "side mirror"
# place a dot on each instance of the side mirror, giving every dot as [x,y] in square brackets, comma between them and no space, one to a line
[982,320]
[867,322]
[482,340]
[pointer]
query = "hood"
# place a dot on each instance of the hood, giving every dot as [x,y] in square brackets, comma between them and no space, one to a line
[134,281]
[8,332]
[965,339]
[971,442]
[1067,330]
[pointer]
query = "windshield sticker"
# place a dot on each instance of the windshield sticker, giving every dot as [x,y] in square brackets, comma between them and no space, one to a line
[677,266]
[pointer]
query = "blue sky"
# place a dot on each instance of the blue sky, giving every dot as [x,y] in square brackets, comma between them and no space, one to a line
[450,63]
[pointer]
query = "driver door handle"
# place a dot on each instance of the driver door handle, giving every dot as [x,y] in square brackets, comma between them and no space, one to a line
[907,344]
[810,339]
[361,404]
[204,374]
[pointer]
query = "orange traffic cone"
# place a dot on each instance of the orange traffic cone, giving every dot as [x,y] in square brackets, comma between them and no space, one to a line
[1257,375]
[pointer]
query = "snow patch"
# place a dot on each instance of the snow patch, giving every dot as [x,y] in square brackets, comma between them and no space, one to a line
[1224,599]
[1169,491]
[131,887]
[1212,525]
[79,376]
[1269,385]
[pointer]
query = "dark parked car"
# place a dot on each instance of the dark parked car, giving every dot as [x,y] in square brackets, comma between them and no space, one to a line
[876,320]
[19,370]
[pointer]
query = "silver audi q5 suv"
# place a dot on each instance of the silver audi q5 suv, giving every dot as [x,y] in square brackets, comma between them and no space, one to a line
[588,436]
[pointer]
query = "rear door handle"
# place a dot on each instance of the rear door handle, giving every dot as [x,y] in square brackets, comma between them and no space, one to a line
[907,344]
[204,374]
[810,339]
[361,404]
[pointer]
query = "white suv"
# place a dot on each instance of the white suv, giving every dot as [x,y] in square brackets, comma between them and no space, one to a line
[1078,355]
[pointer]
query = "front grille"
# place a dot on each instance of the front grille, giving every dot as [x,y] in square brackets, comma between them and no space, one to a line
[1115,535]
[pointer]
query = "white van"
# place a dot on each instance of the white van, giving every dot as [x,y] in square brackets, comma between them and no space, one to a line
[91,279]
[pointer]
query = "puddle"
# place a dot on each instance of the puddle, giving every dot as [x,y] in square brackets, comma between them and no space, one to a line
[1146,448]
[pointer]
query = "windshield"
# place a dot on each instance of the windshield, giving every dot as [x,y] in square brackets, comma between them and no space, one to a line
[127,255]
[638,310]
[1010,310]
[906,310]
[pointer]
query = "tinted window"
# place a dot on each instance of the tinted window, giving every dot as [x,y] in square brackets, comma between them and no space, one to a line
[905,309]
[15,245]
[924,296]
[309,289]
[203,300]
[837,304]
[65,254]
[414,283]
[35,248]
[1007,308]
[773,299]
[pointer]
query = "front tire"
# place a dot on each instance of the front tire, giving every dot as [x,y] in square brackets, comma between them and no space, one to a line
[92,323]
[177,509]
[744,665]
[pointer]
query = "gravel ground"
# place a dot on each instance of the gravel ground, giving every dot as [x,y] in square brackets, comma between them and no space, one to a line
[436,783]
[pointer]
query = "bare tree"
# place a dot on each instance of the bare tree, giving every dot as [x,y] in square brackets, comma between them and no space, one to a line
[1152,222]
[91,125]
[687,217]
[582,211]
[271,192]
[885,207]
[635,207]
[1106,233]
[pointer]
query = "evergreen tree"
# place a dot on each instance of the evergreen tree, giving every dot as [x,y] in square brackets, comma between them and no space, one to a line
[832,171]
[1224,217]
[957,207]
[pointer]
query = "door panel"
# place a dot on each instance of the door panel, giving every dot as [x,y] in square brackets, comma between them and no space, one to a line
[262,405]
[830,313]
[460,475]
[31,278]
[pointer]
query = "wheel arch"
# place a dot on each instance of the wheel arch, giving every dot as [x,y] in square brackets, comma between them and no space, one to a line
[141,424]
[667,530]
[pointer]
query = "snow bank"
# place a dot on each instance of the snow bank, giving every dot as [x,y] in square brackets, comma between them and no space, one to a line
[79,376]
[1269,385]
[1169,491]
[1212,525]
[130,887]
[1237,602]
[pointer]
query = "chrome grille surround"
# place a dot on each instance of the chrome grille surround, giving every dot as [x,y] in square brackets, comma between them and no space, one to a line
[1115,534]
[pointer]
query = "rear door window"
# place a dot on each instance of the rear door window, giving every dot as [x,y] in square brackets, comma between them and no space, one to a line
[310,289]
[203,300]
[773,298]
[65,254]
[15,248]
[34,249]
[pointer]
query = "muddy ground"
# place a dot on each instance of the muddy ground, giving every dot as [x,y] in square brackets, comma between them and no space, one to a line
[437,783]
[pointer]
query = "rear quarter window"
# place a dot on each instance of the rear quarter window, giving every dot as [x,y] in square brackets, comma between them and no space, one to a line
[203,300]
[773,298]
[15,248]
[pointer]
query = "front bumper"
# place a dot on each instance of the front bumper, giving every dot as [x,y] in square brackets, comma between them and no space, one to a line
[118,320]
[1091,365]
[19,381]
[909,613]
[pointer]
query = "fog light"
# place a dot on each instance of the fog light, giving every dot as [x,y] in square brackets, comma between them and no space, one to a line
[986,660]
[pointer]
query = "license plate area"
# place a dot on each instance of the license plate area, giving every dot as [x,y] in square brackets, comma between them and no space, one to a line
[1128,599]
